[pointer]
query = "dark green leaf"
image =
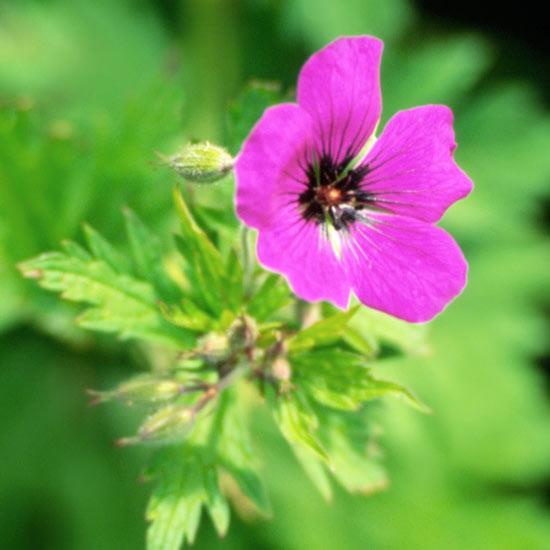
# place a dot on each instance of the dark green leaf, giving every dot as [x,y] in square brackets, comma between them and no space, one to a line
[247,109]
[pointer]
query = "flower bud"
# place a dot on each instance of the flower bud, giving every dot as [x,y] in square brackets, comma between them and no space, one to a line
[243,334]
[201,162]
[169,424]
[141,389]
[280,369]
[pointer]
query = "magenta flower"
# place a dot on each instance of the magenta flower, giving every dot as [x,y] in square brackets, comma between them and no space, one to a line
[338,211]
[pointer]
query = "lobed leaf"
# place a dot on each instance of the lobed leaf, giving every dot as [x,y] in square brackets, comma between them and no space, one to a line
[322,333]
[340,379]
[298,423]
[119,302]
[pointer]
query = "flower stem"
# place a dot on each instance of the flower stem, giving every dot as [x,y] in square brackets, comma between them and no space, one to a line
[247,260]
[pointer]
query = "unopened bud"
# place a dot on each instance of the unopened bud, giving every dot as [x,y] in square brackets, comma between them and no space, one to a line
[141,389]
[169,424]
[280,369]
[243,334]
[213,346]
[201,162]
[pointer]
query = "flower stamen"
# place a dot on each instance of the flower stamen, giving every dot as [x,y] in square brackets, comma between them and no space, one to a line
[333,193]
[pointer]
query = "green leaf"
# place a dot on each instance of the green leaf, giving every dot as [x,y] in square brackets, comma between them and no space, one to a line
[147,256]
[216,503]
[315,470]
[298,423]
[234,281]
[324,332]
[354,455]
[272,295]
[102,249]
[340,379]
[377,328]
[119,302]
[236,455]
[205,267]
[187,315]
[174,509]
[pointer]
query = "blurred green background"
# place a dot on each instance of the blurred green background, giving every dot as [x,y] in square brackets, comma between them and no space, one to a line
[89,90]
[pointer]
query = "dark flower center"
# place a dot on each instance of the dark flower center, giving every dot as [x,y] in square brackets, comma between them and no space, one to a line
[333,193]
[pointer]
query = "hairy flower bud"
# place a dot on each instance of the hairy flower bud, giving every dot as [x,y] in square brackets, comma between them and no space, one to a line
[169,424]
[201,162]
[141,389]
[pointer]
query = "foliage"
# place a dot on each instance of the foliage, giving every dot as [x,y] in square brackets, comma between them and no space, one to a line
[469,475]
[203,311]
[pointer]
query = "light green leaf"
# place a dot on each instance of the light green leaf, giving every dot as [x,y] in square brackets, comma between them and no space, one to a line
[205,267]
[315,470]
[324,332]
[340,379]
[216,503]
[119,303]
[174,509]
[147,256]
[376,326]
[355,458]
[236,455]
[103,250]
[187,315]
[234,281]
[272,295]
[298,423]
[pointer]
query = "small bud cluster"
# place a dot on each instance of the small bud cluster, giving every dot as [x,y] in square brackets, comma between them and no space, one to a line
[221,358]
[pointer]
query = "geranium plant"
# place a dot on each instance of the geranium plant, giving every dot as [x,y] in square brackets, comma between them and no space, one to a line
[337,212]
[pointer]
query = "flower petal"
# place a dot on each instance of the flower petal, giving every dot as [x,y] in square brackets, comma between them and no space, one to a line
[407,268]
[268,166]
[298,249]
[412,171]
[340,87]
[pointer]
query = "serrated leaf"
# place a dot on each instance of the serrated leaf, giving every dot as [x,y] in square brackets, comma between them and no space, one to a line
[234,281]
[322,333]
[298,423]
[237,456]
[148,257]
[272,295]
[174,509]
[216,503]
[120,303]
[74,249]
[316,471]
[340,379]
[354,455]
[187,315]
[102,249]
[205,267]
